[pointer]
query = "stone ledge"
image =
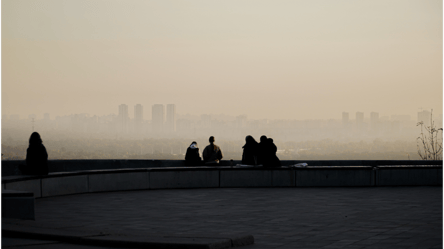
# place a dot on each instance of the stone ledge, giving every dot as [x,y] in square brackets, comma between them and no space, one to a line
[17,178]
[64,185]
[334,177]
[105,182]
[184,179]
[27,185]
[10,167]
[245,178]
[90,181]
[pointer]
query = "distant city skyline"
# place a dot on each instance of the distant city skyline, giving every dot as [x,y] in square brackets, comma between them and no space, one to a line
[147,112]
[165,122]
[166,115]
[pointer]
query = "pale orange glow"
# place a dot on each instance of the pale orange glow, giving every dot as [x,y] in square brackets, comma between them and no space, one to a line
[267,59]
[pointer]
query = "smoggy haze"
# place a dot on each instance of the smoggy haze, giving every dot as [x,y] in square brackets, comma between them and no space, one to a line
[267,59]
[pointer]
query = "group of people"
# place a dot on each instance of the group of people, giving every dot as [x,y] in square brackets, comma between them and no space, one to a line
[212,154]
[262,153]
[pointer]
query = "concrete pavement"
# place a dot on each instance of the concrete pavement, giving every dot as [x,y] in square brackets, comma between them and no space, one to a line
[378,217]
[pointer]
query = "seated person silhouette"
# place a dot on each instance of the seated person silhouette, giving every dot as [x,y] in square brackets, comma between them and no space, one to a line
[267,153]
[249,155]
[212,154]
[192,157]
[36,157]
[262,156]
[274,160]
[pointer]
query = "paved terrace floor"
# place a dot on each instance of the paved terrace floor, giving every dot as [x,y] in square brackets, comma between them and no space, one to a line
[378,217]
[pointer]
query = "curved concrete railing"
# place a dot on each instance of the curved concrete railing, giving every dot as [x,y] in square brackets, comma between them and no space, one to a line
[10,167]
[91,181]
[18,192]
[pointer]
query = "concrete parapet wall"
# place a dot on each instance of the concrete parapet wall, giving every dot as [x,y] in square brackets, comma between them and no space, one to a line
[283,178]
[64,185]
[225,177]
[184,179]
[409,176]
[34,186]
[118,181]
[10,167]
[335,177]
[246,178]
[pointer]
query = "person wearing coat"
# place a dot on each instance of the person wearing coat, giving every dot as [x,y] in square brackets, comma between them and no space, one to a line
[262,151]
[267,153]
[36,156]
[212,154]
[249,155]
[274,160]
[192,157]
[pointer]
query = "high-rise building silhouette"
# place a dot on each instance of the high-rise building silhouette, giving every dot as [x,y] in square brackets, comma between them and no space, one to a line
[241,121]
[359,120]
[170,118]
[138,118]
[158,117]
[123,118]
[138,112]
[345,119]
[374,120]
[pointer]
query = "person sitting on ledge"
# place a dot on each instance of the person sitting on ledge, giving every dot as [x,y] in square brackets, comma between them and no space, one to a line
[249,156]
[262,155]
[212,154]
[36,157]
[267,153]
[274,160]
[192,157]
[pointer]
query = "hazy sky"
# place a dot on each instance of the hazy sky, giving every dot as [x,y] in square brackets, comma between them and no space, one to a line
[267,59]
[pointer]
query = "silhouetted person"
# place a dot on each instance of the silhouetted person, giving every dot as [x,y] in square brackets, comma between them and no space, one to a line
[262,156]
[267,153]
[249,155]
[192,157]
[212,154]
[274,160]
[36,156]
